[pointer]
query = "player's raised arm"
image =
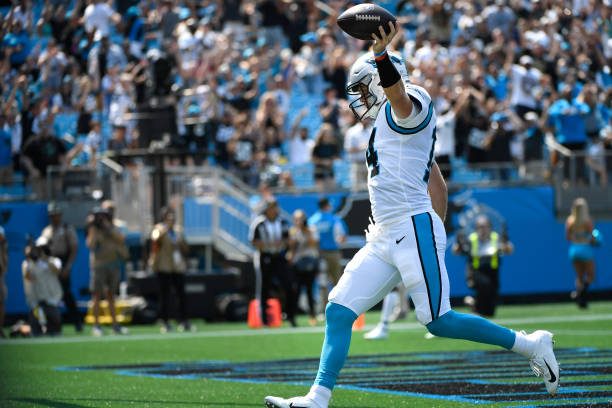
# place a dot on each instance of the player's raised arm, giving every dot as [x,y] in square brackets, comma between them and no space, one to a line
[390,79]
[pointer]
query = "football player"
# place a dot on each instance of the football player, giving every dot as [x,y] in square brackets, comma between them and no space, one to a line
[407,239]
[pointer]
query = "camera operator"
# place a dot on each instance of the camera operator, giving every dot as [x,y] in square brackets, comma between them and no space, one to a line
[42,288]
[107,251]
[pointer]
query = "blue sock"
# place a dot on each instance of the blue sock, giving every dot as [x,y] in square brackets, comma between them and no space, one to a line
[470,327]
[338,330]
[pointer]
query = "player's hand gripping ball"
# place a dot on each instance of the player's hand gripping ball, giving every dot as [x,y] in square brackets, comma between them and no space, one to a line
[363,20]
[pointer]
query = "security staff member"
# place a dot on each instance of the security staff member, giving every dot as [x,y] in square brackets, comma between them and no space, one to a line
[484,248]
[269,234]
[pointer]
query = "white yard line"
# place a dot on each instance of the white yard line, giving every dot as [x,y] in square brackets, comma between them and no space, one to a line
[304,330]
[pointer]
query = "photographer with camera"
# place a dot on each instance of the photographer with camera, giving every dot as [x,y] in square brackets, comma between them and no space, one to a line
[42,288]
[107,249]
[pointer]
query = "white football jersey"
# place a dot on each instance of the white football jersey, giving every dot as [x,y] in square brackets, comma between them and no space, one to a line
[399,159]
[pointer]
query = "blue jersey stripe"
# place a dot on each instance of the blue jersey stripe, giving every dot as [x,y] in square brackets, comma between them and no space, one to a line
[404,130]
[426,245]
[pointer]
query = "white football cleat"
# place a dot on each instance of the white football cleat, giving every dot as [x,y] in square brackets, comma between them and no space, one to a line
[296,402]
[380,332]
[543,361]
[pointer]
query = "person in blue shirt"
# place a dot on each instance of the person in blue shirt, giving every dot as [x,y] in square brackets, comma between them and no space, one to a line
[332,234]
[496,81]
[567,116]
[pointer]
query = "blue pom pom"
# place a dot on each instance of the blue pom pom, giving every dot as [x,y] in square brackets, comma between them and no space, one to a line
[597,237]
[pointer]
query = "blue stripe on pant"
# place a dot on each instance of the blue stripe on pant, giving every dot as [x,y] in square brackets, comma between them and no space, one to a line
[428,255]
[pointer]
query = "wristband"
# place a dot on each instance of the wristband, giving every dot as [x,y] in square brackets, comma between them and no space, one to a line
[380,55]
[387,72]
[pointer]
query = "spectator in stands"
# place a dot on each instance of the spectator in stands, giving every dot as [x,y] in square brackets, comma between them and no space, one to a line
[335,69]
[525,84]
[242,150]
[331,230]
[269,234]
[566,118]
[483,248]
[300,144]
[98,18]
[223,134]
[39,153]
[356,142]
[303,256]
[500,16]
[12,126]
[596,161]
[269,116]
[440,19]
[3,270]
[533,144]
[330,109]
[168,261]
[498,142]
[594,123]
[63,244]
[324,152]
[107,249]
[52,62]
[42,288]
[6,152]
[103,55]
[445,130]
[118,141]
[580,232]
[168,18]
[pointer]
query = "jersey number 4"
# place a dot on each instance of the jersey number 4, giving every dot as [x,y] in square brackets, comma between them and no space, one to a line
[372,156]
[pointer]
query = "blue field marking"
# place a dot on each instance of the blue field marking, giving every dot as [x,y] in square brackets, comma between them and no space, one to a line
[473,377]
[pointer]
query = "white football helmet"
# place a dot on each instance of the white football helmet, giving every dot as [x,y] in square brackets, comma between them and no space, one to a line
[363,85]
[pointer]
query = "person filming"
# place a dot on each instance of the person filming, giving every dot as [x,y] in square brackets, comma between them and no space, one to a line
[107,251]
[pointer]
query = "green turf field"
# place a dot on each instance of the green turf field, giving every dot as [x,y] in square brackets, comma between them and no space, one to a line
[34,370]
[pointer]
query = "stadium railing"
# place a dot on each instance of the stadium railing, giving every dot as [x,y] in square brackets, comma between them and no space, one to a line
[215,208]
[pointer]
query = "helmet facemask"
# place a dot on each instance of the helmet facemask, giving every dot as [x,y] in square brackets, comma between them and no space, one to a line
[363,102]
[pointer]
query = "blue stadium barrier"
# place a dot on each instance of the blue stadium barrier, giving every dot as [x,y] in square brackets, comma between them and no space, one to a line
[197,218]
[539,264]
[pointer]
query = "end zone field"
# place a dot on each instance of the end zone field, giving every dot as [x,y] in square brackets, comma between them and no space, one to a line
[228,365]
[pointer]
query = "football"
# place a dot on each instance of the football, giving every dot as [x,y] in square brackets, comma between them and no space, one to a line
[363,20]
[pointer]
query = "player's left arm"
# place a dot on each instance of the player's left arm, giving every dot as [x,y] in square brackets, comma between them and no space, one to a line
[390,79]
[438,191]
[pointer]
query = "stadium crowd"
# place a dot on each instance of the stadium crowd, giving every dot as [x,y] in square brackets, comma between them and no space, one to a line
[258,86]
